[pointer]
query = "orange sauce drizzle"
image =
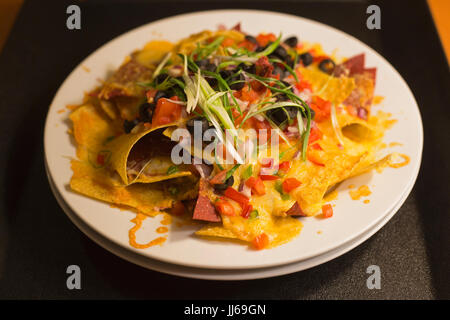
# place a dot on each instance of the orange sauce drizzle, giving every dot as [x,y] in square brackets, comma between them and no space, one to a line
[406,160]
[72,107]
[362,191]
[166,220]
[162,230]
[132,234]
[378,99]
[395,144]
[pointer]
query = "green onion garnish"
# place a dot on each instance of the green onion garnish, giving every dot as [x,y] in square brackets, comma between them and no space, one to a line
[231,171]
[172,170]
[254,214]
[248,172]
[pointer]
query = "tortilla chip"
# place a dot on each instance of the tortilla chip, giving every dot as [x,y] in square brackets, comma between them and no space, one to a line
[153,52]
[316,180]
[120,150]
[187,45]
[330,88]
[366,167]
[109,108]
[96,136]
[128,106]
[213,230]
[91,130]
[95,183]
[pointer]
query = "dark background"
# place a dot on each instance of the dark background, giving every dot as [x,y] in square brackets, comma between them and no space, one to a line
[38,242]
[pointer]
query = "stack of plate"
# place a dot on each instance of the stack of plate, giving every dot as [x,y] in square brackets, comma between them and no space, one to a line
[186,255]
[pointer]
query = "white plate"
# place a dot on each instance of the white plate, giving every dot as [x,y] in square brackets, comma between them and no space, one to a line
[351,218]
[220,274]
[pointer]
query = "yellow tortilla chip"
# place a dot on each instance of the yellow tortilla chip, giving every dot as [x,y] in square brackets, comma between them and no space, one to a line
[109,108]
[95,135]
[187,45]
[214,230]
[153,52]
[95,183]
[366,167]
[316,180]
[120,150]
[91,131]
[333,89]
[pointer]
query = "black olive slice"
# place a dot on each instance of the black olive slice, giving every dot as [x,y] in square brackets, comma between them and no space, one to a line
[291,41]
[327,66]
[306,58]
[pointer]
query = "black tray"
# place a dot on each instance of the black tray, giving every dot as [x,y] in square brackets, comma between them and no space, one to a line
[38,242]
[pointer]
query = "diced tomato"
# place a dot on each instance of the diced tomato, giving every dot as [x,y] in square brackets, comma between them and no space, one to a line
[219,178]
[303,85]
[247,45]
[221,151]
[246,211]
[101,159]
[162,120]
[262,128]
[227,42]
[264,38]
[284,166]
[290,184]
[327,211]
[267,162]
[269,177]
[256,184]
[166,112]
[261,241]
[178,209]
[321,107]
[247,94]
[260,125]
[315,134]
[236,196]
[237,116]
[224,207]
[316,146]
